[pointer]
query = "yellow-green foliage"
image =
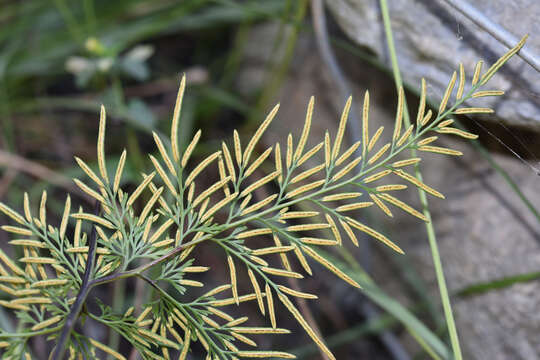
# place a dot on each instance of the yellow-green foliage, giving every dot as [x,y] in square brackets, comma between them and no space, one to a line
[50,282]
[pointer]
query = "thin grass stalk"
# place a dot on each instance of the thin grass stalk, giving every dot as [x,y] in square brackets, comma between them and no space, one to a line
[279,70]
[445,298]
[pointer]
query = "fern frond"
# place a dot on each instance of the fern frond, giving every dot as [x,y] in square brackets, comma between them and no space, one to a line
[56,269]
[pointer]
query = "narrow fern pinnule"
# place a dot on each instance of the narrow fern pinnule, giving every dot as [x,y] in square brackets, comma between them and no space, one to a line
[47,283]
[462,81]
[375,137]
[341,128]
[101,145]
[399,114]
[176,119]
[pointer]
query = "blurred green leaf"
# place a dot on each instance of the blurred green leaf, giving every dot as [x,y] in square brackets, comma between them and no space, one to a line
[141,114]
[480,288]
[392,307]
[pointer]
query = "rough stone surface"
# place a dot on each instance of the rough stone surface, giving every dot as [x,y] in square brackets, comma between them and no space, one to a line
[484,231]
[432,38]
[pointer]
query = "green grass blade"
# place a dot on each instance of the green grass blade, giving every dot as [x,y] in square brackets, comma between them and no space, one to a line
[483,287]
[391,306]
[441,281]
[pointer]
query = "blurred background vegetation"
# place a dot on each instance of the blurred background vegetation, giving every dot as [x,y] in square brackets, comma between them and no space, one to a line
[60,60]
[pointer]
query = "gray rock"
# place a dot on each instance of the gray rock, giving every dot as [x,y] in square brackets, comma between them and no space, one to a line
[432,38]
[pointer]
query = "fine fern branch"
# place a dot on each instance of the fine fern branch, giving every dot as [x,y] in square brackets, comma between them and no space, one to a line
[49,284]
